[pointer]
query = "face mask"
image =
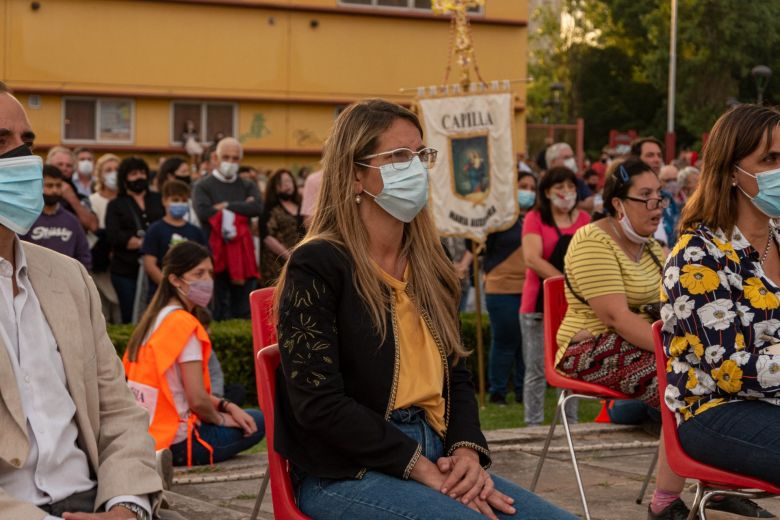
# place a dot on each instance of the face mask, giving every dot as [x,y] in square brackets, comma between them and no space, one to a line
[85,167]
[178,209]
[526,198]
[228,169]
[110,180]
[565,203]
[405,192]
[51,200]
[628,229]
[673,187]
[138,185]
[571,164]
[767,200]
[21,191]
[185,179]
[199,292]
[19,151]
[285,196]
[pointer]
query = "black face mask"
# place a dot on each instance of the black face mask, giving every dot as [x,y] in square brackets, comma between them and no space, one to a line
[285,196]
[185,179]
[19,151]
[51,200]
[593,187]
[138,185]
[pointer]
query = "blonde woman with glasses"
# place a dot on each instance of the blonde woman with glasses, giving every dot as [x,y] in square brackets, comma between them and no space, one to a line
[375,408]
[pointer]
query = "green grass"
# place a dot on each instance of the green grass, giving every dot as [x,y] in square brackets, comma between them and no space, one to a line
[495,417]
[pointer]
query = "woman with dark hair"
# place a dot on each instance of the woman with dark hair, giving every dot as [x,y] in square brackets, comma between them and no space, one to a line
[547,231]
[375,407]
[504,277]
[722,283]
[281,224]
[166,362]
[127,218]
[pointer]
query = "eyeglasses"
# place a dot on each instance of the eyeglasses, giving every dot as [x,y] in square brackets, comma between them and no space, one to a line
[651,204]
[401,158]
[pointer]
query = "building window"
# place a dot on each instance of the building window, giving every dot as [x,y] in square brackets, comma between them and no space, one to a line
[209,120]
[401,4]
[97,120]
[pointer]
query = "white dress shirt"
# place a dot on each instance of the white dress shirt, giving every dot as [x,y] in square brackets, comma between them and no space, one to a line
[56,467]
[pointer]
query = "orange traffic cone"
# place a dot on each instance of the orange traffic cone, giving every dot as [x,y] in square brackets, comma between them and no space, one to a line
[603,416]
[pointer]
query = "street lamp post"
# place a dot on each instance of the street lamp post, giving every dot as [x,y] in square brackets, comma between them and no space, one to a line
[761,75]
[555,100]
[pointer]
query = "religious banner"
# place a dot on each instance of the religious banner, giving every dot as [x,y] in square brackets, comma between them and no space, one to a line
[473,185]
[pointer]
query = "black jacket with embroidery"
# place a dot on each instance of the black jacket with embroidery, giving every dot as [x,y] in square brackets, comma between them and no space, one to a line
[337,381]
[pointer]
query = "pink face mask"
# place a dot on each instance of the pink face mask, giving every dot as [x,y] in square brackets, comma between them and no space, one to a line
[199,292]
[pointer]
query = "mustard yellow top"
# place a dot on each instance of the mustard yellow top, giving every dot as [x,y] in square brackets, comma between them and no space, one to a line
[421,371]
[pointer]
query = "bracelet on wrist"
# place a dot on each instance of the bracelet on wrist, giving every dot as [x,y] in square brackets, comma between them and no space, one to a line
[223,405]
[222,420]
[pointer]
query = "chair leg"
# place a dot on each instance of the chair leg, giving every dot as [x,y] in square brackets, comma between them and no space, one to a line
[705,498]
[260,494]
[562,406]
[649,475]
[696,501]
[547,441]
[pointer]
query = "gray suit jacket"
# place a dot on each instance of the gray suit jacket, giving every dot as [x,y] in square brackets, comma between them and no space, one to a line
[113,429]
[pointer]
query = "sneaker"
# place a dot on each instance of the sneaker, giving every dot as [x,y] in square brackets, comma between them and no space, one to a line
[498,399]
[164,464]
[677,510]
[739,507]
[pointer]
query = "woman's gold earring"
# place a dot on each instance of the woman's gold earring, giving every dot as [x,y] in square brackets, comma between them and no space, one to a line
[358,199]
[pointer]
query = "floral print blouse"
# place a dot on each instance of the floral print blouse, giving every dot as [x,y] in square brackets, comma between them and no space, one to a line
[720,313]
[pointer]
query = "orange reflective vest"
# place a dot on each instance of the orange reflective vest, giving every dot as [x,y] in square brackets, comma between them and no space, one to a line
[146,376]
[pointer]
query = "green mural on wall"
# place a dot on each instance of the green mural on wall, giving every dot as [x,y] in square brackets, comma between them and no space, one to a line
[257,130]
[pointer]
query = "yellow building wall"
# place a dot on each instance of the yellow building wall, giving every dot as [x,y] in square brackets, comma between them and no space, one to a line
[292,67]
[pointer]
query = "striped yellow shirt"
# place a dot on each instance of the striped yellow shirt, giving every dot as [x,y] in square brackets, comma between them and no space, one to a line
[595,266]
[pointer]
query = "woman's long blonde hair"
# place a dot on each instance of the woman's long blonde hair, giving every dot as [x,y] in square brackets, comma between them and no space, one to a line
[432,281]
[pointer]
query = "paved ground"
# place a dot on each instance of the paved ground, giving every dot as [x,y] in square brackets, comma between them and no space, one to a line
[613,462]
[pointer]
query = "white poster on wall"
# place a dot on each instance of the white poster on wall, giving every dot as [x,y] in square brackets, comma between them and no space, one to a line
[474,181]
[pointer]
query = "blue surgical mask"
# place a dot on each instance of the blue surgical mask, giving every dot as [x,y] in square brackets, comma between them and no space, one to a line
[21,192]
[767,200]
[178,209]
[526,198]
[405,192]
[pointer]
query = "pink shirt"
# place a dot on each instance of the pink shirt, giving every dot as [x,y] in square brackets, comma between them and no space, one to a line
[533,225]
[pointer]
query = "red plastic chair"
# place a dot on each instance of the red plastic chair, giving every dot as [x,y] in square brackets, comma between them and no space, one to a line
[555,306]
[285,508]
[709,480]
[263,326]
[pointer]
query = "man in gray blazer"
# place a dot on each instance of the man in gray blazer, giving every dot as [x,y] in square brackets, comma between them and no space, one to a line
[73,442]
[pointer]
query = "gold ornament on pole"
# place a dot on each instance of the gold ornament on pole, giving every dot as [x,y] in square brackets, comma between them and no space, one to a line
[463,40]
[464,50]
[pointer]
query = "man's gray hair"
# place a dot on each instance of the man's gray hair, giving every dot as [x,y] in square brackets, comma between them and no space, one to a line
[682,175]
[59,149]
[554,151]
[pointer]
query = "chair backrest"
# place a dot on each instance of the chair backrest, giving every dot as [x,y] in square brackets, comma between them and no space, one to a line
[266,362]
[263,327]
[555,307]
[679,461]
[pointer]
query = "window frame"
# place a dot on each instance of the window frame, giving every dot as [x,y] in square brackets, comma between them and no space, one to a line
[97,140]
[409,7]
[172,135]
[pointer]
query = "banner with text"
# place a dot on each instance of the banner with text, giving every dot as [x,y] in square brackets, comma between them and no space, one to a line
[474,182]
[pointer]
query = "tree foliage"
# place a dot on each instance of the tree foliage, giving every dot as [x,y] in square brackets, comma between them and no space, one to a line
[613,56]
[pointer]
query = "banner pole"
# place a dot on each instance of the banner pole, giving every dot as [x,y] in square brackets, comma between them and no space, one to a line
[478,307]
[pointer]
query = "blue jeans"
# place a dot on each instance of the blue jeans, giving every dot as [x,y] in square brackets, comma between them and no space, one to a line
[506,352]
[227,442]
[382,497]
[125,287]
[742,437]
[632,411]
[231,301]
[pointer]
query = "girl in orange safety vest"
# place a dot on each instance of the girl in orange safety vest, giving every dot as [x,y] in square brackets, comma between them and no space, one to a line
[166,364]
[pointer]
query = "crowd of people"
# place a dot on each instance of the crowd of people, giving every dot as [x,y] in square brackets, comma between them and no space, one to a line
[375,409]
